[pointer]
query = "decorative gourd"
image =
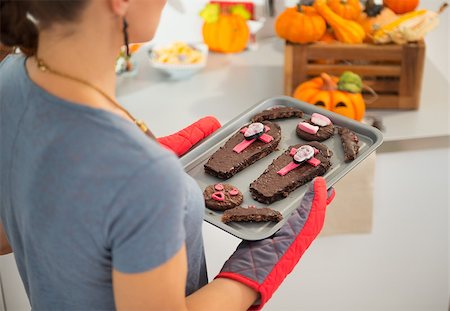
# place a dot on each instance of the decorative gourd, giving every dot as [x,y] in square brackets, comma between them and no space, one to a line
[375,16]
[323,91]
[410,27]
[348,9]
[225,32]
[385,33]
[346,31]
[401,6]
[300,24]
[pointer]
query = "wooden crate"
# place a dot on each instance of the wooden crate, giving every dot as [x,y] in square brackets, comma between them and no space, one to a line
[393,71]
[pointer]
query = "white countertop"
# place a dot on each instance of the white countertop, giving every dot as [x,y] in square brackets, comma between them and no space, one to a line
[232,83]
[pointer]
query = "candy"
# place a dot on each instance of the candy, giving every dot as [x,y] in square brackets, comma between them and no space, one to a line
[242,145]
[218,187]
[249,140]
[234,192]
[288,168]
[314,162]
[303,153]
[308,128]
[218,196]
[265,138]
[254,130]
[320,120]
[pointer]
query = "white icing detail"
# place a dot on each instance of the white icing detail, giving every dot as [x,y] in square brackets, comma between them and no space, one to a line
[304,153]
[253,129]
[320,120]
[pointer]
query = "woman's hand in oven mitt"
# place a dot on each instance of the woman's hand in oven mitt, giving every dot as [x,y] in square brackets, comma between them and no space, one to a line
[182,141]
[263,265]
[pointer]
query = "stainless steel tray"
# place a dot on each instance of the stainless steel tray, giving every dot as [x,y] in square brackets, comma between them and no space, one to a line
[370,138]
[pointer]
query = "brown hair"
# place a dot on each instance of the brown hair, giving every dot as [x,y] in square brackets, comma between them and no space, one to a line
[17,29]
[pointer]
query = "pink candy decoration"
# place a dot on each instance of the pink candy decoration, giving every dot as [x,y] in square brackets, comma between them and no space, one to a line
[253,129]
[292,165]
[294,151]
[218,196]
[234,192]
[320,120]
[288,168]
[245,143]
[265,138]
[314,162]
[218,187]
[304,153]
[308,128]
[242,145]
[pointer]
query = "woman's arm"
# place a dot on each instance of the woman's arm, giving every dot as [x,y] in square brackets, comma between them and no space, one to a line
[261,265]
[163,288]
[5,248]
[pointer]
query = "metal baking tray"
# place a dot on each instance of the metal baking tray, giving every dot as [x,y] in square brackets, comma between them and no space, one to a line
[370,139]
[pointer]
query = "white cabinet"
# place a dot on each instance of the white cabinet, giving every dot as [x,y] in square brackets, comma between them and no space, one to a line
[15,298]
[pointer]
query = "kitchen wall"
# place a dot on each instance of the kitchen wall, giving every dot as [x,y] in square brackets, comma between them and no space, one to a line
[181,21]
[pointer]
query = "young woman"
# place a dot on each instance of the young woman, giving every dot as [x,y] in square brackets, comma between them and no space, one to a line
[99,216]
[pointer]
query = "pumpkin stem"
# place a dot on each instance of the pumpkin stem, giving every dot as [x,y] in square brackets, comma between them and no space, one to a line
[442,7]
[370,4]
[328,83]
[305,3]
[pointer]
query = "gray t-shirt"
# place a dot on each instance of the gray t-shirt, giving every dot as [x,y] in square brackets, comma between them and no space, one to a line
[84,191]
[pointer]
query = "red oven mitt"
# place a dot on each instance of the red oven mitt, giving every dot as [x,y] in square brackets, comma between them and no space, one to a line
[263,265]
[182,141]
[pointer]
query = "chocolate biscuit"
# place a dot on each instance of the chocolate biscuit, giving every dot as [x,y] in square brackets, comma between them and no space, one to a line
[322,134]
[221,197]
[277,113]
[350,143]
[271,186]
[225,162]
[251,214]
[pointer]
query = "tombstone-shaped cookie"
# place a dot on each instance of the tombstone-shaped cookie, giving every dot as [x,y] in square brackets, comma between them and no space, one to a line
[244,148]
[294,168]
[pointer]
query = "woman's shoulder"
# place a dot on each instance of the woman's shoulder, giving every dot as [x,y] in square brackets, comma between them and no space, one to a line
[10,62]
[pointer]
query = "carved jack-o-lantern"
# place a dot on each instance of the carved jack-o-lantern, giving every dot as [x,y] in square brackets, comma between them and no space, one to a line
[323,92]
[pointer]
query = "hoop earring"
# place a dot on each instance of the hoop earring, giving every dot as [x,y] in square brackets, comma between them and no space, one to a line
[125,36]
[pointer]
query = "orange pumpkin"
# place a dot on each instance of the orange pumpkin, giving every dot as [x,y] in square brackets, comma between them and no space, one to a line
[300,24]
[373,23]
[328,37]
[229,34]
[323,92]
[348,9]
[401,6]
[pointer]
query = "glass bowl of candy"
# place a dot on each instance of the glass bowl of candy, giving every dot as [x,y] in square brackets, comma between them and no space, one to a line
[179,60]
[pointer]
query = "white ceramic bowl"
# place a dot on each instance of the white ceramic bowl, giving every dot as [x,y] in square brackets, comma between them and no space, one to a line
[179,71]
